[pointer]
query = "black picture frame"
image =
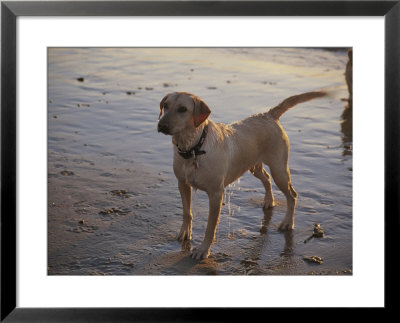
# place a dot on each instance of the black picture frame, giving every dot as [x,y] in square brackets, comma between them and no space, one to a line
[10,10]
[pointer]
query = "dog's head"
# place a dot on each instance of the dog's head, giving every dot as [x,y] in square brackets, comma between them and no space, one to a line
[180,110]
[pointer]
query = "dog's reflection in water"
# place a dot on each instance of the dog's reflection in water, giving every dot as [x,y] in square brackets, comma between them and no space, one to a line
[288,248]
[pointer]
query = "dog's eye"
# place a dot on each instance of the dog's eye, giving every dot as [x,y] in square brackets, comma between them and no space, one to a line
[165,107]
[182,109]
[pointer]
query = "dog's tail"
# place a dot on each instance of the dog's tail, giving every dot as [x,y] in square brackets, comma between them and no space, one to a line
[286,104]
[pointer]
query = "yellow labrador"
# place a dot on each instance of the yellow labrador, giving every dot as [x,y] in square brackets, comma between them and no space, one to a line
[209,156]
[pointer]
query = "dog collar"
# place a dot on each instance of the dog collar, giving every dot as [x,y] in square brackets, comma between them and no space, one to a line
[195,151]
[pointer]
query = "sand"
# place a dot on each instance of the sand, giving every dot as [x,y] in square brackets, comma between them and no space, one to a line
[113,202]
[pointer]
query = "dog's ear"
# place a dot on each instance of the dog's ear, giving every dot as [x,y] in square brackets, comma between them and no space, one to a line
[162,104]
[201,111]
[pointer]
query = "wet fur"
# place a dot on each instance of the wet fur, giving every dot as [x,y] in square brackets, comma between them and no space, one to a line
[231,150]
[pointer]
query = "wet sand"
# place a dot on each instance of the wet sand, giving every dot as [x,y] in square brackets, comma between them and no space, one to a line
[113,202]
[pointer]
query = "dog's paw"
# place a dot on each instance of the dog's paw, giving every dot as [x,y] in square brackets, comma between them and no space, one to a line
[268,204]
[201,252]
[185,233]
[286,225]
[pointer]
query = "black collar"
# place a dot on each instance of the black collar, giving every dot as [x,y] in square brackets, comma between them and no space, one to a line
[195,151]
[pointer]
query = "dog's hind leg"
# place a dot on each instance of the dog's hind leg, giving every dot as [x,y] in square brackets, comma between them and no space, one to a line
[186,195]
[281,176]
[258,171]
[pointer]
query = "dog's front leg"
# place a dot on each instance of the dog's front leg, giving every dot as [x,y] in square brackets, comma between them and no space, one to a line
[215,202]
[186,195]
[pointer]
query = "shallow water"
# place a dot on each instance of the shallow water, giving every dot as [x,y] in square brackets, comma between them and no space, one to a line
[114,205]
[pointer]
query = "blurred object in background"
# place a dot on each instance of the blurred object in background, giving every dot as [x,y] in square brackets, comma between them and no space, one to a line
[347,115]
[349,74]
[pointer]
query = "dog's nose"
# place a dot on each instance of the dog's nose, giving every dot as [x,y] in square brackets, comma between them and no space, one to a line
[162,127]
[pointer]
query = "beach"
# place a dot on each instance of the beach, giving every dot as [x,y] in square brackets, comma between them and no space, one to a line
[113,202]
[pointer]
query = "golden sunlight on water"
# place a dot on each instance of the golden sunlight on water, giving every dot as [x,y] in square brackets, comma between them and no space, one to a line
[102,139]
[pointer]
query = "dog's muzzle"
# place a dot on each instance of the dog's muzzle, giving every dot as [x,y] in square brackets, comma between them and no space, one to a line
[162,127]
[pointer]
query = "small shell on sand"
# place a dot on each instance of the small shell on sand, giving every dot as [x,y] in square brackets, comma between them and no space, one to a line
[314,260]
[67,173]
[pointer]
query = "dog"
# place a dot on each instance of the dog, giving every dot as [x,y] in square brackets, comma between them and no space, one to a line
[209,156]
